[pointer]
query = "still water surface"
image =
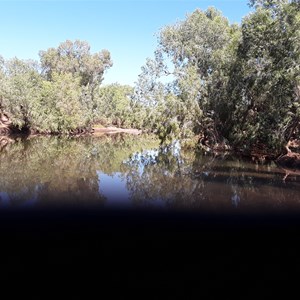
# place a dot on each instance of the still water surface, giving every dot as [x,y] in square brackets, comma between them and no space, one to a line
[127,171]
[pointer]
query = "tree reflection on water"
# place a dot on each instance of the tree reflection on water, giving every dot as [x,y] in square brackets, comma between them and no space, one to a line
[189,181]
[86,171]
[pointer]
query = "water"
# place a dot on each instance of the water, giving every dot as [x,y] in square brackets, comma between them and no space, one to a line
[126,171]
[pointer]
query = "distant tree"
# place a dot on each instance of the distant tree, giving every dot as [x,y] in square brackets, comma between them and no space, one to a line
[62,110]
[56,95]
[72,61]
[114,103]
[149,92]
[75,58]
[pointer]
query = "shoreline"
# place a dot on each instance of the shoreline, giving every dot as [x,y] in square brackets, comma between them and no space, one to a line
[290,160]
[109,130]
[9,133]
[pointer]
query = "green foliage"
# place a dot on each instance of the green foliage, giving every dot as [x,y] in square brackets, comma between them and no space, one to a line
[265,78]
[56,96]
[63,110]
[230,84]
[211,81]
[75,57]
[20,89]
[197,40]
[113,103]
[201,50]
[268,4]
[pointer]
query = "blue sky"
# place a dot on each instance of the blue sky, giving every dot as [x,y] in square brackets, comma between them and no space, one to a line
[126,28]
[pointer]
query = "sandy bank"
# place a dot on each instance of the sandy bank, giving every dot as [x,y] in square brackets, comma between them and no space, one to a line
[108,130]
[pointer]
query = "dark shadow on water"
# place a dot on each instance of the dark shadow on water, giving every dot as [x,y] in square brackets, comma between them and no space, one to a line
[146,220]
[146,252]
[117,216]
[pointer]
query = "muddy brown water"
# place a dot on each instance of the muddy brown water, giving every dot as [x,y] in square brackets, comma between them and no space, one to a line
[158,245]
[128,171]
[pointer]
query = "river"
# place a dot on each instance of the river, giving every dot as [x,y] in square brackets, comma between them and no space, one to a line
[131,172]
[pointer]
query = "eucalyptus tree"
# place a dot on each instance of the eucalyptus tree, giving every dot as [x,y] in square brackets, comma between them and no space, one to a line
[71,76]
[4,120]
[55,95]
[197,52]
[39,105]
[20,88]
[62,110]
[234,84]
[75,58]
[2,83]
[265,79]
[149,93]
[271,4]
[114,104]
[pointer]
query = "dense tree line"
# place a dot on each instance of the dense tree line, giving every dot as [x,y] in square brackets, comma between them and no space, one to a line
[232,86]
[55,95]
[62,93]
[211,83]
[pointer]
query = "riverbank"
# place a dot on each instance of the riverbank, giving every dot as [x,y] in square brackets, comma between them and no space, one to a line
[289,160]
[108,130]
[7,131]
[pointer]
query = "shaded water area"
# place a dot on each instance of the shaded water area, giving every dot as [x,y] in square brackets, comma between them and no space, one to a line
[125,171]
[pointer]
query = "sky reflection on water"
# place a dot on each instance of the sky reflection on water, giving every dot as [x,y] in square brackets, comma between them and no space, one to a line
[113,188]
